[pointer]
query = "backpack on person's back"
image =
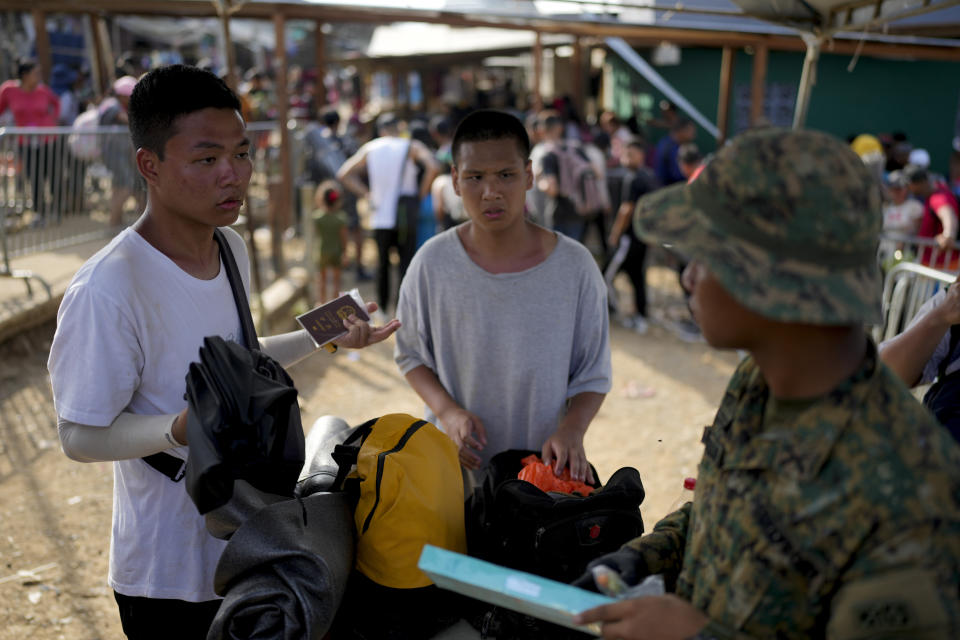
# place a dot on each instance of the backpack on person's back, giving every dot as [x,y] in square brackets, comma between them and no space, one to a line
[83,140]
[577,180]
[325,154]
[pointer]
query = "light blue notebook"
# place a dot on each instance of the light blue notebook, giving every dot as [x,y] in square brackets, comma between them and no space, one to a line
[524,592]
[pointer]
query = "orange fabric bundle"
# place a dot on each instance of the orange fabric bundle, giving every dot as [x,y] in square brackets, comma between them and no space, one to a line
[542,476]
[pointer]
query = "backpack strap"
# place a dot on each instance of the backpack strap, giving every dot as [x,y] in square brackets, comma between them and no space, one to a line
[239,295]
[172,466]
[345,454]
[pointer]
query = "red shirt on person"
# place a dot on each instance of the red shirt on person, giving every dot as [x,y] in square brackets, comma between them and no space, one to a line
[930,225]
[37,108]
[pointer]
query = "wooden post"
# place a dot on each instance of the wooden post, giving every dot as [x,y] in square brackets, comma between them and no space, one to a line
[96,68]
[44,57]
[398,89]
[537,71]
[281,217]
[577,63]
[229,54]
[808,78]
[320,62]
[723,104]
[758,84]
[109,62]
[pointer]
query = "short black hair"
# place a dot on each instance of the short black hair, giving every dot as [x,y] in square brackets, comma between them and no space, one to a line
[915,174]
[25,66]
[490,124]
[330,117]
[637,142]
[689,154]
[167,93]
[441,125]
[681,123]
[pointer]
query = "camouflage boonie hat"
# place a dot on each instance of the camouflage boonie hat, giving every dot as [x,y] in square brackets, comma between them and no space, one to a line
[787,221]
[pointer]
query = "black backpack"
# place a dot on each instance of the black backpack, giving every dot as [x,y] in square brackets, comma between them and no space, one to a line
[513,523]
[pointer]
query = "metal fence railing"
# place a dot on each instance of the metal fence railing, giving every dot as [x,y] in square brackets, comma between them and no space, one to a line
[897,247]
[906,287]
[60,188]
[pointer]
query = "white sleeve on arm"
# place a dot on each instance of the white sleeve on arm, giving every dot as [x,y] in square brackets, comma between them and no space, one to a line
[129,436]
[288,348]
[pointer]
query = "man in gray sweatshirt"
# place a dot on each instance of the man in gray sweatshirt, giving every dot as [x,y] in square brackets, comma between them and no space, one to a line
[504,333]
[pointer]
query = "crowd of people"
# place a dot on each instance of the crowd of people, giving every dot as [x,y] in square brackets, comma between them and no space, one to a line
[918,201]
[827,502]
[586,182]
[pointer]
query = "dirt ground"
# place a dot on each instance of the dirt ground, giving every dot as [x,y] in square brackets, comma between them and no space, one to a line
[55,513]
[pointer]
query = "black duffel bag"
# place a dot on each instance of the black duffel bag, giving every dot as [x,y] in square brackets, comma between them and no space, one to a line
[511,522]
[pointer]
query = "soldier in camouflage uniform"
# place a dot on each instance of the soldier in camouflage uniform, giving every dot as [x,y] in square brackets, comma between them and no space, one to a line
[827,503]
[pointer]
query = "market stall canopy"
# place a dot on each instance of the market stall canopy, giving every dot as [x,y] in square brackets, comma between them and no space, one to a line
[832,16]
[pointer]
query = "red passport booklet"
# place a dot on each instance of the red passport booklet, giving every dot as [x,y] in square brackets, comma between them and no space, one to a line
[325,323]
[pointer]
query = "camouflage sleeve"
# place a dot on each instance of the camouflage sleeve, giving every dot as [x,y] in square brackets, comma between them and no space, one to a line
[907,587]
[662,548]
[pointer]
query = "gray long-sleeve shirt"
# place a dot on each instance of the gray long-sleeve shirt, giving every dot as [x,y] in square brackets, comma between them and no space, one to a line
[511,348]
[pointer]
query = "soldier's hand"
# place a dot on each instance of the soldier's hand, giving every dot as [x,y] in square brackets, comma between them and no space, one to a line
[650,618]
[626,561]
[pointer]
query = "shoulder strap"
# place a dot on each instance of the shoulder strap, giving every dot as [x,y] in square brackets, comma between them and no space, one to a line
[345,454]
[239,295]
[403,168]
[172,466]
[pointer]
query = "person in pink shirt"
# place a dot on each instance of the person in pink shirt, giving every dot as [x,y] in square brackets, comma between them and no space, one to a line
[33,104]
[939,221]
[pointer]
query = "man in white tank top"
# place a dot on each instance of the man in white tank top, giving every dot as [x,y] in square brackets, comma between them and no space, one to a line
[393,194]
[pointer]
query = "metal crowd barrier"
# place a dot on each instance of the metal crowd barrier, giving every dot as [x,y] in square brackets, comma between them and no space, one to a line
[59,188]
[906,287]
[897,247]
[50,197]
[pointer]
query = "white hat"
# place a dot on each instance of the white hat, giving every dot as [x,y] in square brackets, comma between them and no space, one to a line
[920,157]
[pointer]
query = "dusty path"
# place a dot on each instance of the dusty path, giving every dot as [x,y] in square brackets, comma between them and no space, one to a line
[55,514]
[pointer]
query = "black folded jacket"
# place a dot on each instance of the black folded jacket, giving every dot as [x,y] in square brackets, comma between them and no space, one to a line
[284,572]
[243,423]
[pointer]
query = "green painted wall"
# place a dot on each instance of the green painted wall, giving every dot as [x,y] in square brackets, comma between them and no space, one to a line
[879,95]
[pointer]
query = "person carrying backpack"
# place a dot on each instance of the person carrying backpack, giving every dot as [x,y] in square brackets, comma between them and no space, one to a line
[131,323]
[567,178]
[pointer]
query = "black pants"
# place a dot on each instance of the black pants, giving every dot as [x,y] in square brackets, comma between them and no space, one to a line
[631,261]
[159,619]
[386,240]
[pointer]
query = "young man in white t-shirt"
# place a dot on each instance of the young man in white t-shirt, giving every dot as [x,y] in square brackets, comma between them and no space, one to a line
[131,322]
[506,333]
